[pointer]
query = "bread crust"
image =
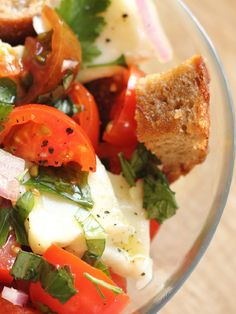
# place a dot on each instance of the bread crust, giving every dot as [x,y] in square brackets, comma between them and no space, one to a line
[172,116]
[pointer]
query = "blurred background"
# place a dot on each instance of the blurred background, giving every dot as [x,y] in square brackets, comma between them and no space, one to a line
[211,288]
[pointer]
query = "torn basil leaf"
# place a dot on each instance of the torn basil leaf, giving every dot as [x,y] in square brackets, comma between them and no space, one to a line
[120,61]
[66,105]
[58,181]
[56,281]
[159,200]
[7,97]
[4,225]
[25,204]
[94,233]
[27,266]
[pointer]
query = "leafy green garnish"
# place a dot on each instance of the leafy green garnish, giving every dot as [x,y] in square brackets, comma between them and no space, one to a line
[7,97]
[66,105]
[84,19]
[25,204]
[58,282]
[98,282]
[4,225]
[119,61]
[94,233]
[58,181]
[43,308]
[159,200]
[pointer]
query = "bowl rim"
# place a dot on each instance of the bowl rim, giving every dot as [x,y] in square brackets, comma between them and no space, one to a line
[230,105]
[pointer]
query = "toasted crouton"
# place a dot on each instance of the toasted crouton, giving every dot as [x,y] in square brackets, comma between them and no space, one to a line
[16,18]
[173,116]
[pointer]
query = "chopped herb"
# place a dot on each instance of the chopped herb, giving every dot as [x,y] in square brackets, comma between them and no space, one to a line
[66,105]
[44,308]
[4,225]
[84,19]
[94,233]
[24,205]
[99,282]
[159,200]
[58,282]
[67,80]
[7,97]
[58,181]
[119,61]
[27,266]
[94,261]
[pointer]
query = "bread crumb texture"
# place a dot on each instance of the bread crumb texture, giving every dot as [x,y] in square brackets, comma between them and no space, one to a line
[173,116]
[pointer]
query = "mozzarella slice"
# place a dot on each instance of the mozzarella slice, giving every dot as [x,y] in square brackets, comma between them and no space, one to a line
[119,211]
[52,220]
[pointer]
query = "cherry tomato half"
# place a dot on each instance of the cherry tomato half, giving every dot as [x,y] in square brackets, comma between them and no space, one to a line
[48,137]
[121,131]
[88,116]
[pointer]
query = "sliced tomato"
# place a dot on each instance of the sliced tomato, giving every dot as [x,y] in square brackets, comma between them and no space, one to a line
[88,116]
[121,131]
[87,300]
[119,281]
[154,227]
[64,47]
[9,308]
[48,137]
[7,258]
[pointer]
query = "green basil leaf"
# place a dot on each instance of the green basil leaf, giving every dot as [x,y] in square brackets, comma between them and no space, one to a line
[158,199]
[7,91]
[5,110]
[127,170]
[66,105]
[85,20]
[4,225]
[94,233]
[59,283]
[25,204]
[27,266]
[119,61]
[94,261]
[19,228]
[58,181]
[99,282]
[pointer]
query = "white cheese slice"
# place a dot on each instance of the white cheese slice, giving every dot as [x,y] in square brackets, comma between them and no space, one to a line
[52,221]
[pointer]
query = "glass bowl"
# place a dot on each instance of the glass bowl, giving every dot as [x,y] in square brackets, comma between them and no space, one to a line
[183,239]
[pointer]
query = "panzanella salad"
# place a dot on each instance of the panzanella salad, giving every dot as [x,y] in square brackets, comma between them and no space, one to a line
[89,146]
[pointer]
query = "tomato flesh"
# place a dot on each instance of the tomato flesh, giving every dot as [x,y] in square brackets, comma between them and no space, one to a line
[48,137]
[88,118]
[87,300]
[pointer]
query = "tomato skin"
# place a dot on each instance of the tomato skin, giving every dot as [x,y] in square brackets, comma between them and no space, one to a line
[9,308]
[64,46]
[88,119]
[121,131]
[53,137]
[87,300]
[7,258]
[154,227]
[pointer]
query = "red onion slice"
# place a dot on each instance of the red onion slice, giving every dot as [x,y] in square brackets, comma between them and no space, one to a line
[14,296]
[154,30]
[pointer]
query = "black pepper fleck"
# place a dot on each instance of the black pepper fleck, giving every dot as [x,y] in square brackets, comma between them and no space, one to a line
[106,212]
[125,15]
[69,130]
[56,162]
[44,143]
[108,40]
[51,150]
[119,250]
[98,216]
[143,274]
[136,214]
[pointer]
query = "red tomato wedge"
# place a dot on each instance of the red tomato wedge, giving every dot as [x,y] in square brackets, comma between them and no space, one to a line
[48,137]
[87,300]
[121,131]
[154,227]
[7,258]
[88,116]
[64,46]
[9,308]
